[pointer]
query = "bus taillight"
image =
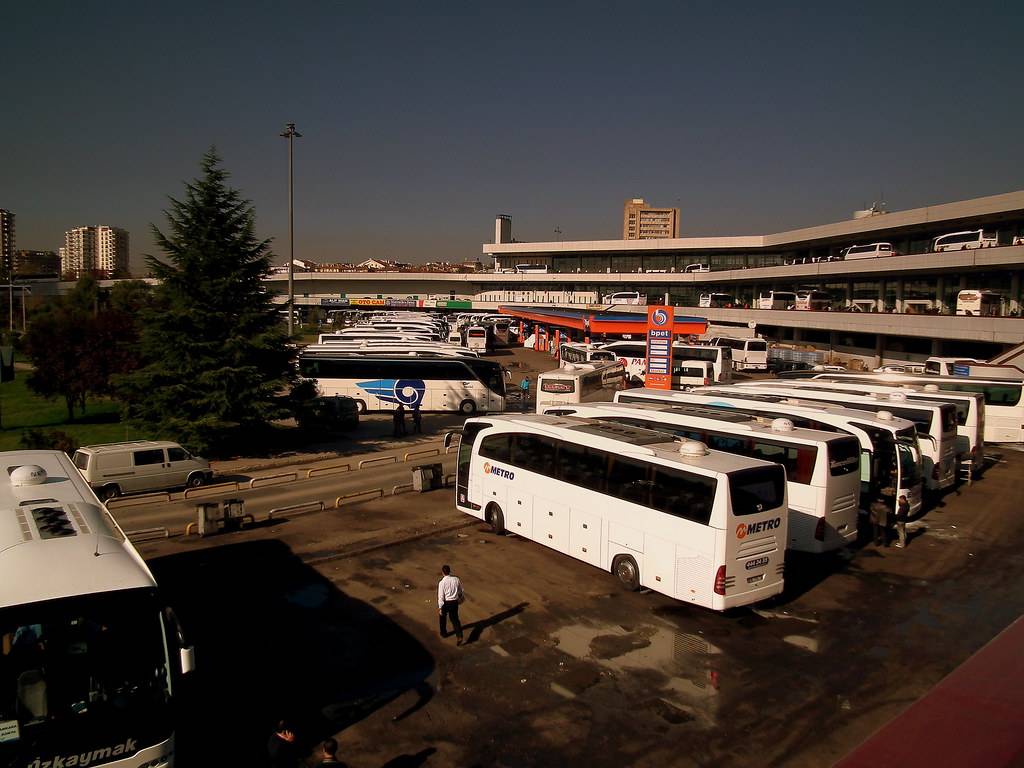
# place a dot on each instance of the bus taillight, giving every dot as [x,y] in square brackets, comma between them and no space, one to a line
[720,581]
[819,529]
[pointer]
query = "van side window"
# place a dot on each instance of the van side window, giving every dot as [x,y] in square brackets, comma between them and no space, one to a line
[177,454]
[151,456]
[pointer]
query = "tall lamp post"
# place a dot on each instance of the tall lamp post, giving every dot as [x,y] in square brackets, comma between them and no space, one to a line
[290,133]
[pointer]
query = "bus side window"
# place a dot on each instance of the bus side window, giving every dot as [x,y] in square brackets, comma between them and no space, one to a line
[627,479]
[497,447]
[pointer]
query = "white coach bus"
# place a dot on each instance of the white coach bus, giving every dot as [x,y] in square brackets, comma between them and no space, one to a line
[381,383]
[580,383]
[747,354]
[890,456]
[703,527]
[822,468]
[91,658]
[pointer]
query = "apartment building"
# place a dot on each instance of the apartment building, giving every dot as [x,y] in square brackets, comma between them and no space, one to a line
[98,250]
[6,241]
[644,222]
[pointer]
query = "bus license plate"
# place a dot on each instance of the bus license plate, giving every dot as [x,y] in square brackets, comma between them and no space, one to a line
[757,562]
[755,579]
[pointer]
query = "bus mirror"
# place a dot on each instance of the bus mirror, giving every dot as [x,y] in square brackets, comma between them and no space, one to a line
[188,660]
[449,437]
[508,374]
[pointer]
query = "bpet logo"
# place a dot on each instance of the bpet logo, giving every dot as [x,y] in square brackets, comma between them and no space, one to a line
[765,525]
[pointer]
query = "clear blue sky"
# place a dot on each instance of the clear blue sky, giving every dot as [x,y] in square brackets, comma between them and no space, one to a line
[422,120]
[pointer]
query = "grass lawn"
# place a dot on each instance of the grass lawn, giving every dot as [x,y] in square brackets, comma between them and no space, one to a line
[21,409]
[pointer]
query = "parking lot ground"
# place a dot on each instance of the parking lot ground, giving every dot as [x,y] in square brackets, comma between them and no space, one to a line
[561,666]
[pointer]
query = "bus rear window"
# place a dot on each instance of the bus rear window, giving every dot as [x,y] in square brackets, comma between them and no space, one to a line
[843,457]
[756,490]
[558,386]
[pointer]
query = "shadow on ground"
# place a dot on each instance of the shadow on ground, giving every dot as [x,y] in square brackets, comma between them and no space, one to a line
[273,640]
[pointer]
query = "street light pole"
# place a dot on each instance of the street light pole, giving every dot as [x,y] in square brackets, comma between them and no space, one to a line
[290,133]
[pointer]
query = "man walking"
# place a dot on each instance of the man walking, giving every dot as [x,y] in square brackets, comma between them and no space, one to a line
[449,595]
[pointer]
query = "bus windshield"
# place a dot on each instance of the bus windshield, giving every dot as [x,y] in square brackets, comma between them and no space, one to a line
[92,667]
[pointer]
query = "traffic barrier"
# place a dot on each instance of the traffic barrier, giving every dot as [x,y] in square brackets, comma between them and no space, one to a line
[211,490]
[424,452]
[289,477]
[328,470]
[403,487]
[449,480]
[144,534]
[131,501]
[298,509]
[378,491]
[380,460]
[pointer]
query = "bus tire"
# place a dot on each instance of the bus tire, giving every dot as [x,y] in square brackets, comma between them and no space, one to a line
[195,480]
[467,407]
[496,519]
[361,407]
[636,381]
[108,492]
[627,572]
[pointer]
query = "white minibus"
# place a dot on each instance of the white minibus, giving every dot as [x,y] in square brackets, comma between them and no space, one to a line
[91,657]
[432,384]
[960,241]
[700,526]
[747,354]
[890,457]
[574,352]
[1004,407]
[776,300]
[970,407]
[872,251]
[479,338]
[716,300]
[719,356]
[580,383]
[822,468]
[979,304]
[935,422]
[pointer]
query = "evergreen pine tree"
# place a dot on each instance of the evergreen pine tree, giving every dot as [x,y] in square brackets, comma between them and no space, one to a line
[216,357]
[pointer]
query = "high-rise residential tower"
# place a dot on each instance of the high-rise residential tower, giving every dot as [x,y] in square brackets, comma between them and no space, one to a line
[100,250]
[6,241]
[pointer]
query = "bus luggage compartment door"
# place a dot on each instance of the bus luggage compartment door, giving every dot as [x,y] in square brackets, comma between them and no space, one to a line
[552,524]
[519,514]
[585,536]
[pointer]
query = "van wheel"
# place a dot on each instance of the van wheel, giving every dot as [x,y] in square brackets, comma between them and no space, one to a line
[109,492]
[628,573]
[195,480]
[496,519]
[467,407]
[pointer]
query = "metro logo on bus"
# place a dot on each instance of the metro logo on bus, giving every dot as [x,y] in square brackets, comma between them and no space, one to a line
[745,529]
[498,472]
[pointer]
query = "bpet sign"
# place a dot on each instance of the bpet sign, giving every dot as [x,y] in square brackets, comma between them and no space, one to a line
[660,322]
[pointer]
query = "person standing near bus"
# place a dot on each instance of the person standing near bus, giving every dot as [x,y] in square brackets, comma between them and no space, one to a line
[879,517]
[399,421]
[449,597]
[417,420]
[902,513]
[524,388]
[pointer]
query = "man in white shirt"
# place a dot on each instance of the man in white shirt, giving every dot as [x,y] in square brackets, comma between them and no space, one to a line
[449,595]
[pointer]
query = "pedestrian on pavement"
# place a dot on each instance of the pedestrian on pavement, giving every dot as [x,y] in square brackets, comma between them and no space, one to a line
[449,596]
[329,752]
[282,750]
[399,421]
[902,513]
[524,390]
[878,515]
[417,422]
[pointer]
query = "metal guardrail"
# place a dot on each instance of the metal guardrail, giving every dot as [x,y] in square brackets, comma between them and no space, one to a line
[203,490]
[448,480]
[290,477]
[378,491]
[298,509]
[424,452]
[395,490]
[328,470]
[380,460]
[132,501]
[144,534]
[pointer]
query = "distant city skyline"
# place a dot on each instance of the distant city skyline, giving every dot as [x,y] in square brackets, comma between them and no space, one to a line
[423,121]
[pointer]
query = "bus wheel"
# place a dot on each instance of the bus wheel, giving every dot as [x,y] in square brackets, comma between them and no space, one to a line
[496,519]
[627,572]
[636,382]
[467,407]
[361,407]
[109,492]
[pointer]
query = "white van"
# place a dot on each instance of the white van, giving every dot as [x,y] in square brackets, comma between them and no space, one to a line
[139,466]
[872,251]
[960,241]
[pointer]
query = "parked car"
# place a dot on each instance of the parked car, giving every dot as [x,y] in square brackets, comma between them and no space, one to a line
[140,466]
